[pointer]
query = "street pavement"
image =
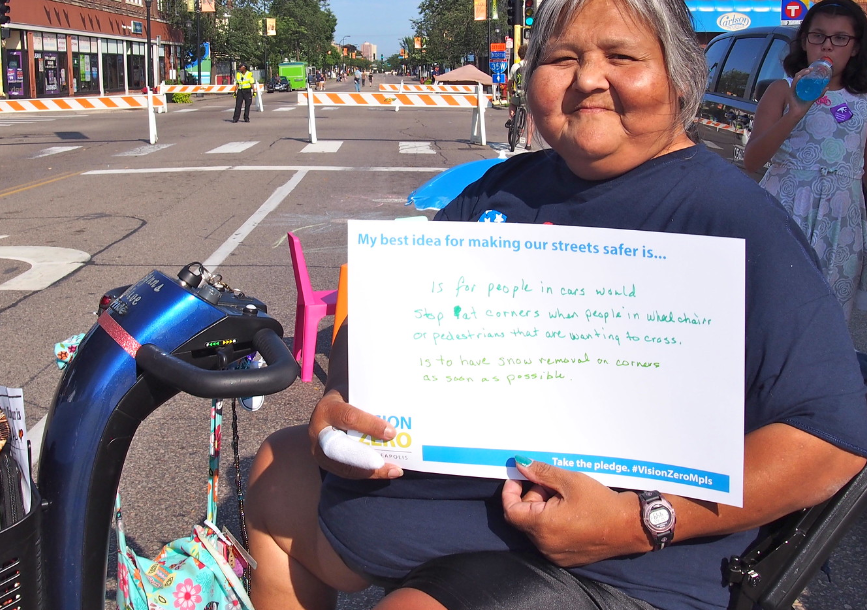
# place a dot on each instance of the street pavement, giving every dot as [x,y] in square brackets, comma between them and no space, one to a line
[214,190]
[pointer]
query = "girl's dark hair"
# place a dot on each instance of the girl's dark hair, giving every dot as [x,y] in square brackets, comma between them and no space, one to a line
[854,77]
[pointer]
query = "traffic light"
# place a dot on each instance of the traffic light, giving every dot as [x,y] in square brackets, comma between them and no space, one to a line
[511,19]
[4,12]
[529,13]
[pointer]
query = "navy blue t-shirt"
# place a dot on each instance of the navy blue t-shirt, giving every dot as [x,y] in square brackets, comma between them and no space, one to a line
[800,368]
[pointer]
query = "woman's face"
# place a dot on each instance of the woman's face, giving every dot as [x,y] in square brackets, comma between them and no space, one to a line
[601,96]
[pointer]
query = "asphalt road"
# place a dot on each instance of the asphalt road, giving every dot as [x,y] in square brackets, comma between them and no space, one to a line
[90,182]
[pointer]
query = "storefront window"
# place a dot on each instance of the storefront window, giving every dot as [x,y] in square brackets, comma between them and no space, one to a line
[136,66]
[85,65]
[49,65]
[113,73]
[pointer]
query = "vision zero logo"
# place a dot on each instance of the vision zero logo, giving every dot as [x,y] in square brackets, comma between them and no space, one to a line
[403,440]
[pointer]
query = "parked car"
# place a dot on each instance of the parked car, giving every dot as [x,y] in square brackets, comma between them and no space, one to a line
[278,83]
[741,66]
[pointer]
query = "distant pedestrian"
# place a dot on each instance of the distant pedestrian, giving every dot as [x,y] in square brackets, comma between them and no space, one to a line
[363,78]
[370,79]
[244,83]
[357,80]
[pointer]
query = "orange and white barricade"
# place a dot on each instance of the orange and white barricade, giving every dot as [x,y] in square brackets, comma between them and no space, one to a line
[75,104]
[478,102]
[152,102]
[401,88]
[212,89]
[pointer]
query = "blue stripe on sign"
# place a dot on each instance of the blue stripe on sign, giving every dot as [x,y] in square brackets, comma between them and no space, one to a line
[580,463]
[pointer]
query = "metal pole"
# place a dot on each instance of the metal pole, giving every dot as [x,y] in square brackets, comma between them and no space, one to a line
[199,42]
[488,53]
[148,66]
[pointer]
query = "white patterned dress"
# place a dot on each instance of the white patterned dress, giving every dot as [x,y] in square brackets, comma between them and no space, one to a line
[816,175]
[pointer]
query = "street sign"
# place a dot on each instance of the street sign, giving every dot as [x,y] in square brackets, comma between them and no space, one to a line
[498,56]
[498,66]
[498,78]
[793,12]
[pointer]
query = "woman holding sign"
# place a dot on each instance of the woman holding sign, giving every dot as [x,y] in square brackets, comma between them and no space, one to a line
[613,86]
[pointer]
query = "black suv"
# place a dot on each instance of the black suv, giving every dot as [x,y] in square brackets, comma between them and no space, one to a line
[741,65]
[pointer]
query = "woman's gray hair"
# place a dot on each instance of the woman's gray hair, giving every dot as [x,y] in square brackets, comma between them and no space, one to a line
[668,19]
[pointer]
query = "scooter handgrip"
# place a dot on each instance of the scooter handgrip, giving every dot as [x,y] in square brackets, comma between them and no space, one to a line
[281,372]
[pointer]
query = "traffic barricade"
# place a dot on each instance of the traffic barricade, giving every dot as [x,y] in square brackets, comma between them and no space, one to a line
[74,104]
[478,101]
[167,89]
[149,100]
[401,88]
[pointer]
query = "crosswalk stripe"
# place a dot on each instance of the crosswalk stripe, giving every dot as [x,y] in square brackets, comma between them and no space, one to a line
[187,110]
[326,146]
[416,148]
[232,147]
[141,151]
[53,151]
[285,108]
[711,145]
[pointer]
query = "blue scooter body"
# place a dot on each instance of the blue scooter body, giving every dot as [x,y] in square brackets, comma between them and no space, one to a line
[100,402]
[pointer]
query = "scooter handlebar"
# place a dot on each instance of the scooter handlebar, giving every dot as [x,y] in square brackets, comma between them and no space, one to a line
[281,372]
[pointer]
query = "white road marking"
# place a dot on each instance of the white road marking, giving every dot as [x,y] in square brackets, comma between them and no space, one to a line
[53,151]
[232,148]
[711,145]
[186,110]
[285,108]
[223,252]
[260,168]
[325,146]
[47,265]
[328,108]
[416,148]
[141,151]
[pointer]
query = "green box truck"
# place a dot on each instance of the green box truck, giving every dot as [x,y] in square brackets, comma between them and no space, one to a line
[296,73]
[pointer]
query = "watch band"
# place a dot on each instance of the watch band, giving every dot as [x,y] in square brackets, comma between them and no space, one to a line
[658,518]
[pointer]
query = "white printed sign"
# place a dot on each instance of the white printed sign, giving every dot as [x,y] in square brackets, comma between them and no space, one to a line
[12,404]
[615,353]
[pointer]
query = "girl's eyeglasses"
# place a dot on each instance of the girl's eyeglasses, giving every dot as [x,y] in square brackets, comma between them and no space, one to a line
[838,40]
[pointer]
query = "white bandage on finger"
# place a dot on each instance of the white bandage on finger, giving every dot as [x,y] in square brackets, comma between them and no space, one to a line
[338,446]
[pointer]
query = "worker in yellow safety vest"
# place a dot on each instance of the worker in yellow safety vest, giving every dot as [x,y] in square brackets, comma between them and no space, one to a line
[244,91]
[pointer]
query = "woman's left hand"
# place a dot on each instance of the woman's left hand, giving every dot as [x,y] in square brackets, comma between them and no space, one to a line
[571,518]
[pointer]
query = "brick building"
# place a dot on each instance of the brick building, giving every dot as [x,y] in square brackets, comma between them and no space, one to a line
[61,48]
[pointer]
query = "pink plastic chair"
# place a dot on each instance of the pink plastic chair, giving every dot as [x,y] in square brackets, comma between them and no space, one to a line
[313,305]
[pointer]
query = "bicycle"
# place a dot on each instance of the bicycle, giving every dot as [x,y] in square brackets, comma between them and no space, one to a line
[518,124]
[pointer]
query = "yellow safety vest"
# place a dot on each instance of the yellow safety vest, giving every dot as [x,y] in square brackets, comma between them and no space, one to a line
[245,80]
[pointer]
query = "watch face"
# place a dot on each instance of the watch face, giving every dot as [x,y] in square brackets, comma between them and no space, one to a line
[659,518]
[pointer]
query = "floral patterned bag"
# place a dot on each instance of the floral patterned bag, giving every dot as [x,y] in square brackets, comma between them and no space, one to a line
[201,572]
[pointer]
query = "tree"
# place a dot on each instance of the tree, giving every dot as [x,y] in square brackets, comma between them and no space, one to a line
[451,32]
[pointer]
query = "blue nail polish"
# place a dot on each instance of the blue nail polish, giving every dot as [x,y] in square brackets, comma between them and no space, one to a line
[523,461]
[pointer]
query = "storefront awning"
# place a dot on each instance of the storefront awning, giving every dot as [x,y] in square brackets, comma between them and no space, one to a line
[730,16]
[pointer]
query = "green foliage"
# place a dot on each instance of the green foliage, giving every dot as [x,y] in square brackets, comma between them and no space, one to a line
[451,33]
[182,98]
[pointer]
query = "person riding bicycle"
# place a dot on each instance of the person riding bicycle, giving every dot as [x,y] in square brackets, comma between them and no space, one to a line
[517,95]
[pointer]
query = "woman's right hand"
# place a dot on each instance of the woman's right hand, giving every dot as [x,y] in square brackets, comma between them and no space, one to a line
[332,410]
[798,107]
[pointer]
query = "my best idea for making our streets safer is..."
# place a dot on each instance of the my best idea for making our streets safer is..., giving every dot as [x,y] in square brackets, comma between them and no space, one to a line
[597,329]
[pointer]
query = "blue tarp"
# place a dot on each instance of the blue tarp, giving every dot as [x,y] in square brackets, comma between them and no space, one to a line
[729,16]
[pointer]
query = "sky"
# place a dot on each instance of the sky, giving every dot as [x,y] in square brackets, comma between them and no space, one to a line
[380,22]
